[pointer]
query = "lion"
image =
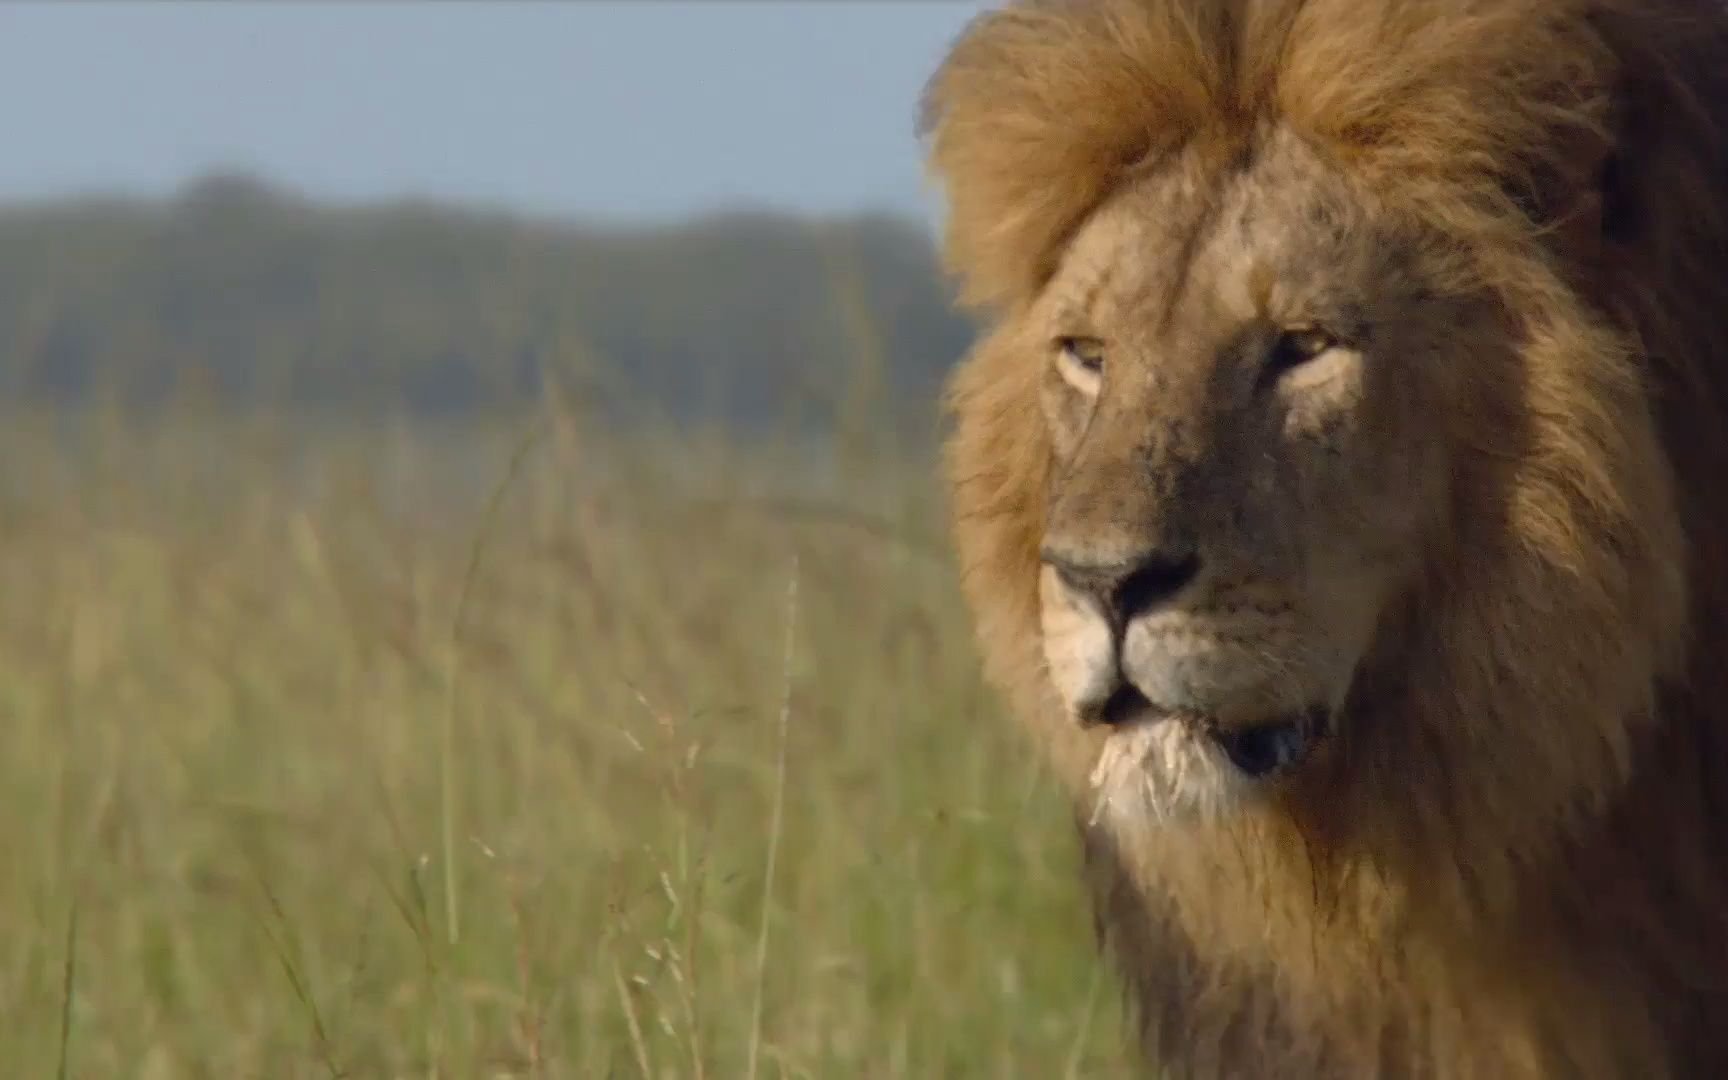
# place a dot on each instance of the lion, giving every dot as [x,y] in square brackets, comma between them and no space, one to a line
[1334,486]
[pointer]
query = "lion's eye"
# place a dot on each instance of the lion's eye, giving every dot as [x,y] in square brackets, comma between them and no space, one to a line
[1086,354]
[1295,347]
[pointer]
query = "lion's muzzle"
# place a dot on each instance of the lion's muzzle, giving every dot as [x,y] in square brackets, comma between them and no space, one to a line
[1207,692]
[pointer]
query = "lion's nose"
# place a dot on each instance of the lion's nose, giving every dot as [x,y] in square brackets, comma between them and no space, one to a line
[1128,587]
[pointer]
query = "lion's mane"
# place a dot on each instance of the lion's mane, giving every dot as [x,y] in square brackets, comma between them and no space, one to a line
[1534,877]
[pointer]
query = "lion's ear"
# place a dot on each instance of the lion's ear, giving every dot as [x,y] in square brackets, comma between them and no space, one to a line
[1579,197]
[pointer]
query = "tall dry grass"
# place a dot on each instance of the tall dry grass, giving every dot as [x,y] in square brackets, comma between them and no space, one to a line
[518,751]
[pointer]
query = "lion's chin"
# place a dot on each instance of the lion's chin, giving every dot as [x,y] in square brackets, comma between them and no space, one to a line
[1160,767]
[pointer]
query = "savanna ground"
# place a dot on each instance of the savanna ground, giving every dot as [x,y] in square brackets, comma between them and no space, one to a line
[514,751]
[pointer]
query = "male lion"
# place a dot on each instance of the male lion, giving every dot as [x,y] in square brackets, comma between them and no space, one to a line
[1335,494]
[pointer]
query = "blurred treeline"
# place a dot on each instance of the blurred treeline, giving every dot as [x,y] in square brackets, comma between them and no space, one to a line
[250,296]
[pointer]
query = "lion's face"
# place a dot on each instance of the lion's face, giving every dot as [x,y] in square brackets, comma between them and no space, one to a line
[1243,390]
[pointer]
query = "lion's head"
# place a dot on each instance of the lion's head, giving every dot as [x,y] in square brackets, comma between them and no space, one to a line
[1253,380]
[1332,484]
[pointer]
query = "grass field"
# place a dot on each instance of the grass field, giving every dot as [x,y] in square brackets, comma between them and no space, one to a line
[517,752]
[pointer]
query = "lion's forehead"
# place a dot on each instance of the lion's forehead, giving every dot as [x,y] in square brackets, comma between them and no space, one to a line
[1210,242]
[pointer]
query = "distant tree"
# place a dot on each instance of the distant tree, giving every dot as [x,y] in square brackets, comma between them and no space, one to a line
[744,317]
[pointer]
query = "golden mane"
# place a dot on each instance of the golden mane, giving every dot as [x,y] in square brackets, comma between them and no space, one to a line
[1574,153]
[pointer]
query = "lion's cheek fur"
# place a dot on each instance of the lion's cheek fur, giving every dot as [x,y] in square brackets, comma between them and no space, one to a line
[997,464]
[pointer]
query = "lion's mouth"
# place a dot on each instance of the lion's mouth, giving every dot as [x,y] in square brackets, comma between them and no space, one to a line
[1256,750]
[1266,748]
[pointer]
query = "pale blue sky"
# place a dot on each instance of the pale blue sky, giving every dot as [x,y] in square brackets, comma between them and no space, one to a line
[599,108]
